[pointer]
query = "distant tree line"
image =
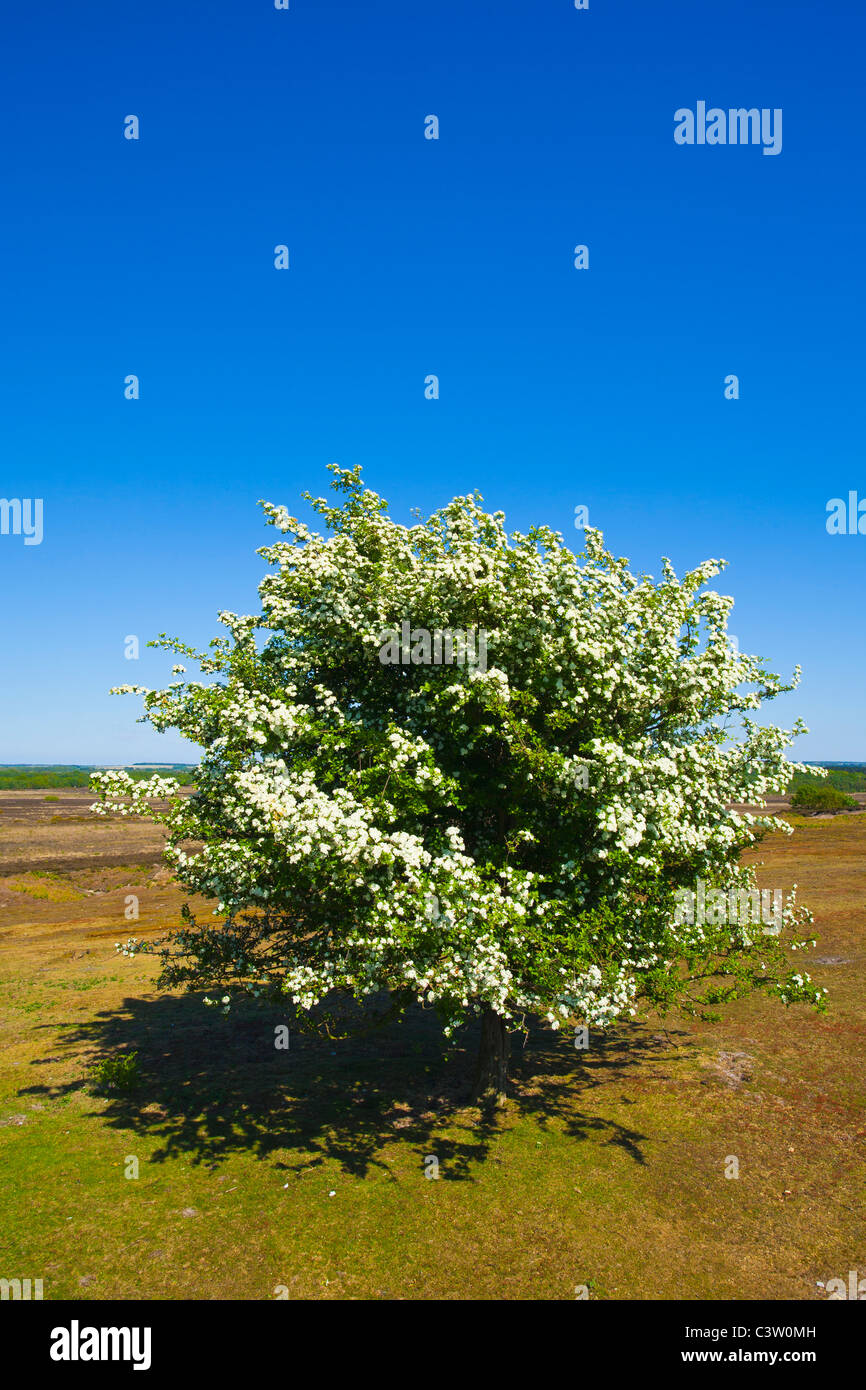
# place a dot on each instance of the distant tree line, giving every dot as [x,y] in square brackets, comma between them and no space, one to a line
[848,777]
[32,777]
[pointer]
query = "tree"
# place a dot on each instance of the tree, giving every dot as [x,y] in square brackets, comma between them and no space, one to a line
[472,770]
[817,799]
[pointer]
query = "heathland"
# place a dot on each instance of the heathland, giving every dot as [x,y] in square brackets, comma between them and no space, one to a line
[307,1172]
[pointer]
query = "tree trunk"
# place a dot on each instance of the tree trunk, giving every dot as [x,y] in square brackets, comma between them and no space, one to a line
[493,1053]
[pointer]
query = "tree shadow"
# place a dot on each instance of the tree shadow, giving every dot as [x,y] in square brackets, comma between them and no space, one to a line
[213,1086]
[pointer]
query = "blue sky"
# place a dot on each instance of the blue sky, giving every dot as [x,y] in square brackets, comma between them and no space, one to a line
[409,257]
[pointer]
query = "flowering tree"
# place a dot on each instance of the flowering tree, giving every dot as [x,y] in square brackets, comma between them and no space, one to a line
[487,838]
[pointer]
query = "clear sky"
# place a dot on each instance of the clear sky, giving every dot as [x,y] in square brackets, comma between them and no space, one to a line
[410,257]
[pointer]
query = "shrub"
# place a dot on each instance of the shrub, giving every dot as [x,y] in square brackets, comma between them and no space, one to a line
[116,1073]
[822,798]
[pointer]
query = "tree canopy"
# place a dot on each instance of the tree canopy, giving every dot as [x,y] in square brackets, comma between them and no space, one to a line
[500,836]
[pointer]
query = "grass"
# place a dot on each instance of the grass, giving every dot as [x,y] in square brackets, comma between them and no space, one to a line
[607,1169]
[42,884]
